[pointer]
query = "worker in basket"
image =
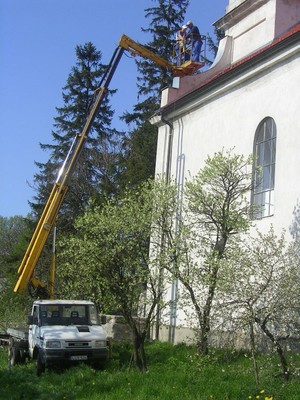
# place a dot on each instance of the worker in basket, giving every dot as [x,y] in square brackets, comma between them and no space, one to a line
[180,46]
[193,40]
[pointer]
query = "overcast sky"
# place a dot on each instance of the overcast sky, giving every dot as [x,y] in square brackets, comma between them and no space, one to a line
[37,52]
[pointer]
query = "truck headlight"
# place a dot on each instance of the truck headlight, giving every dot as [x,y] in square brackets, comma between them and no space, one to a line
[100,343]
[53,344]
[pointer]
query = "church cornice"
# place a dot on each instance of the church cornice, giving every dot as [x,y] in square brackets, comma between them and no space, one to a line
[238,13]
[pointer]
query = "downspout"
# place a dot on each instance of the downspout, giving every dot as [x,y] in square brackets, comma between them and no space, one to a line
[173,306]
[170,147]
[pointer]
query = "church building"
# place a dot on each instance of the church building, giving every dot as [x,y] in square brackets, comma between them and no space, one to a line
[249,101]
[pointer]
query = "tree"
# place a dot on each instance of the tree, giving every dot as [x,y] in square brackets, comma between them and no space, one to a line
[166,18]
[138,163]
[217,210]
[95,170]
[108,260]
[14,309]
[260,288]
[14,235]
[213,45]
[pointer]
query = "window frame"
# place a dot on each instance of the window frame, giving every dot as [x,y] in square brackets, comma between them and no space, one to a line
[264,152]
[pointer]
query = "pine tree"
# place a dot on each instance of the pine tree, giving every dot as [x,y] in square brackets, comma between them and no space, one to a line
[139,160]
[167,17]
[95,170]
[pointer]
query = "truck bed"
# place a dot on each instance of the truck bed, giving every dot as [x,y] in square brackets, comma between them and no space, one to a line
[19,333]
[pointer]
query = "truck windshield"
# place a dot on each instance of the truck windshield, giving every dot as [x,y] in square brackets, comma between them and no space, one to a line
[68,314]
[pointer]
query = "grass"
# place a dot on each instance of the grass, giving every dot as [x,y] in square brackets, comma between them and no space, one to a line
[175,373]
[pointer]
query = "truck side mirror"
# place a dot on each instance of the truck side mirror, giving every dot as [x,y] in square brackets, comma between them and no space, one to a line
[103,319]
[30,320]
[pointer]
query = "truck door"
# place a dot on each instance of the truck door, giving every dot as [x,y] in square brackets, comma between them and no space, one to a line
[33,335]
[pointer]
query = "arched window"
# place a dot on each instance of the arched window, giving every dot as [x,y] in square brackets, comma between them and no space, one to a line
[264,168]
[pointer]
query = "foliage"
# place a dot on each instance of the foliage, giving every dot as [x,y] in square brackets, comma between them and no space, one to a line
[139,147]
[12,233]
[14,309]
[216,211]
[166,18]
[137,161]
[94,173]
[173,373]
[260,286]
[13,241]
[107,260]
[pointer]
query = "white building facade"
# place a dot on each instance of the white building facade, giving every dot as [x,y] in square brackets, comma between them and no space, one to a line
[249,101]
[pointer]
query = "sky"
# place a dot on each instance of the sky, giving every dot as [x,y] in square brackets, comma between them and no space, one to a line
[37,51]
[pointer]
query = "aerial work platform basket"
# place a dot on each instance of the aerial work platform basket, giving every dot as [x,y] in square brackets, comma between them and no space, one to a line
[182,57]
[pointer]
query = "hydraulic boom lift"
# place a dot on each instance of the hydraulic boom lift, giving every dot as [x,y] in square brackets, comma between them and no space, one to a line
[49,215]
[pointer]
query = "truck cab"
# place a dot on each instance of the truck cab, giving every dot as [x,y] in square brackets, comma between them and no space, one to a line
[66,332]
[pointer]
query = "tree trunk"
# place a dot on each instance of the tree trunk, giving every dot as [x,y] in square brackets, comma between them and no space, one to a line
[202,343]
[139,355]
[253,352]
[205,324]
[278,347]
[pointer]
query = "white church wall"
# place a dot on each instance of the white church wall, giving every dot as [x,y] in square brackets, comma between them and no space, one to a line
[229,120]
[226,115]
[253,31]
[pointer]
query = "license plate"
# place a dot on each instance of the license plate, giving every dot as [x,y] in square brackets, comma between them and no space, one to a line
[78,358]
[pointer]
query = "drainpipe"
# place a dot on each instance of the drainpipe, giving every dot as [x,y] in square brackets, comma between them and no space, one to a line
[173,306]
[170,147]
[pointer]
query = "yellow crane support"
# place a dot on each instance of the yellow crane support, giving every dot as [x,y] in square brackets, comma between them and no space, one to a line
[49,215]
[188,68]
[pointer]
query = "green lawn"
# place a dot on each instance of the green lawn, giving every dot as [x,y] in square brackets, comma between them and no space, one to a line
[175,373]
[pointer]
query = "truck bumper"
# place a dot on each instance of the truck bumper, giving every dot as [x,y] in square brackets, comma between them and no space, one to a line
[91,356]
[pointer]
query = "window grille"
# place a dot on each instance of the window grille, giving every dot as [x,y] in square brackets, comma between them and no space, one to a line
[264,169]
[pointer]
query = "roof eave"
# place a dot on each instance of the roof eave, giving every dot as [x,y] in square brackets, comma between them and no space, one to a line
[286,40]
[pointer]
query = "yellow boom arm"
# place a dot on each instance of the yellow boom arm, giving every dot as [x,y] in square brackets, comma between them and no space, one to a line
[50,212]
[188,68]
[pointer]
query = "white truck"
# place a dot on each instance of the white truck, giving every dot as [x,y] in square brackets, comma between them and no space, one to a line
[60,332]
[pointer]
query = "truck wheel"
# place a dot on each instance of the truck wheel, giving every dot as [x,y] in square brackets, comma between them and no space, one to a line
[40,365]
[14,356]
[22,356]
